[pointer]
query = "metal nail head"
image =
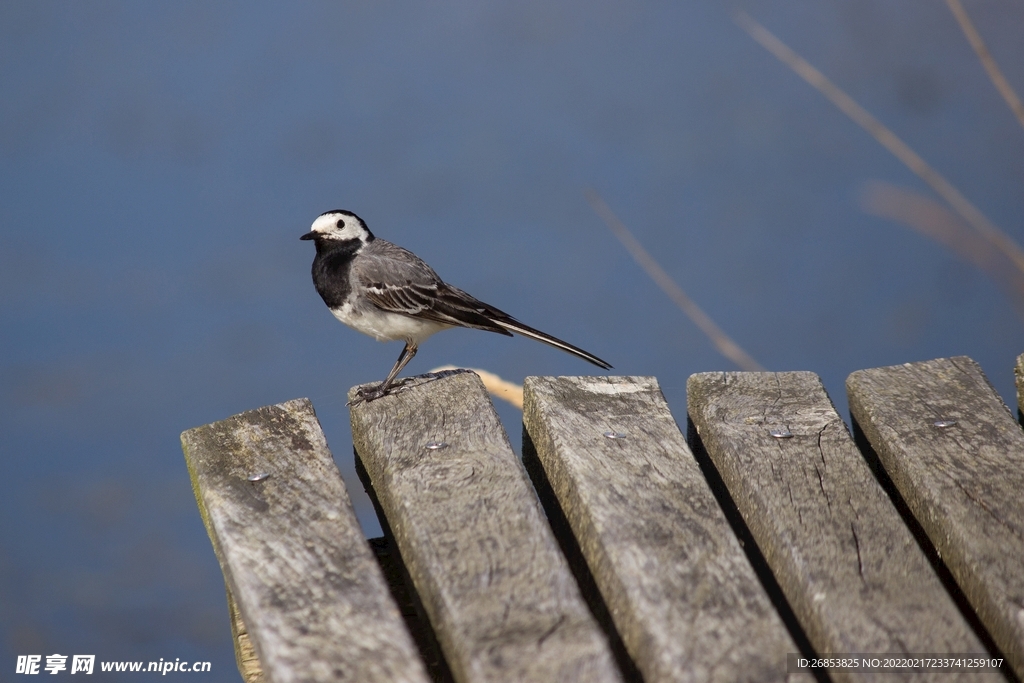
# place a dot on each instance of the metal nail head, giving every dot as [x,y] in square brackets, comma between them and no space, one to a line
[942,424]
[781,433]
[259,476]
[436,445]
[614,435]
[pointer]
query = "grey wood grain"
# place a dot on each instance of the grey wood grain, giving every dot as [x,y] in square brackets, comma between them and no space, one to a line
[849,567]
[677,584]
[293,555]
[498,591]
[963,482]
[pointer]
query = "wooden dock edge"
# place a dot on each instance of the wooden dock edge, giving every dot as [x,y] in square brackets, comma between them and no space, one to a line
[228,460]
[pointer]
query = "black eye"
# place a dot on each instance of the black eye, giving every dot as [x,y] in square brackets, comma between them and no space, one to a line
[340,224]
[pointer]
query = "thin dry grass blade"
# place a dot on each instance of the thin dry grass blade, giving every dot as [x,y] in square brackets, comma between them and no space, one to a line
[726,346]
[886,137]
[994,72]
[935,221]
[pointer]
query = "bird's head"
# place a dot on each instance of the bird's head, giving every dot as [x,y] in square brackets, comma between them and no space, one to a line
[338,226]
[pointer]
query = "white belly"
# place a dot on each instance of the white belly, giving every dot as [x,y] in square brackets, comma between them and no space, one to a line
[384,326]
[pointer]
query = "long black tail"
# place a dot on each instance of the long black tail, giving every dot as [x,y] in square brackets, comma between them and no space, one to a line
[513,325]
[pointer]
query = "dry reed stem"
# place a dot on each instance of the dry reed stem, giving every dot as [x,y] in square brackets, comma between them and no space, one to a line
[496,386]
[935,221]
[885,137]
[726,346]
[994,73]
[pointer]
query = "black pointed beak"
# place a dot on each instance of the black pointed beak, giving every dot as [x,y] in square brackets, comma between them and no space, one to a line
[308,236]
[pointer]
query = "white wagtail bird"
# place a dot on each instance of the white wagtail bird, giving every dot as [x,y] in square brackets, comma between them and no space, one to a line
[389,293]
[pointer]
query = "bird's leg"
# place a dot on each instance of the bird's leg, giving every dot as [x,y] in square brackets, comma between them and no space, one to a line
[403,359]
[382,389]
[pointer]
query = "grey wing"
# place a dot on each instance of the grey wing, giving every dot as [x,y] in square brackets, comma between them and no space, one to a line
[398,281]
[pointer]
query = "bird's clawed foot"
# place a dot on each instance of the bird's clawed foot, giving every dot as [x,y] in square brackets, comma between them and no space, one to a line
[367,394]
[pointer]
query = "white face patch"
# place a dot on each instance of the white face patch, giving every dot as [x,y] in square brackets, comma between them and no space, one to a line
[339,226]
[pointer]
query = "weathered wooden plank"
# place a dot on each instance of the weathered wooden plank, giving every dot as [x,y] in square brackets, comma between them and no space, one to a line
[956,456]
[849,567]
[293,555]
[500,596]
[677,584]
